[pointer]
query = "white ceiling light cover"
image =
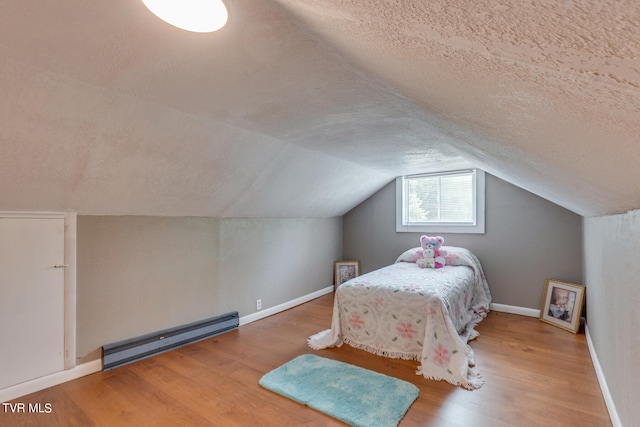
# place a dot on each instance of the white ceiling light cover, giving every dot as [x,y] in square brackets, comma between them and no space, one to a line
[201,16]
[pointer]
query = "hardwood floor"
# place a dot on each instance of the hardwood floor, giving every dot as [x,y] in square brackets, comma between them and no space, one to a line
[536,375]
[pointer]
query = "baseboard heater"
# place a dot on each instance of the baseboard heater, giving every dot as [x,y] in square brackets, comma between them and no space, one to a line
[127,351]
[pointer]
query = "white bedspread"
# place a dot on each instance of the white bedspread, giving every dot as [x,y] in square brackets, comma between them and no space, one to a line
[404,311]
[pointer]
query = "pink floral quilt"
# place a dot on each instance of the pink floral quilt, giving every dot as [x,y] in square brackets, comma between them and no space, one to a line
[404,311]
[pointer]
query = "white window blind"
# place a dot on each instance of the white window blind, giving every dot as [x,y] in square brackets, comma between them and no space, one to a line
[442,200]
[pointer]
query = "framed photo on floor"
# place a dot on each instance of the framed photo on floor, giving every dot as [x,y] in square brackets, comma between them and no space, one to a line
[562,304]
[345,270]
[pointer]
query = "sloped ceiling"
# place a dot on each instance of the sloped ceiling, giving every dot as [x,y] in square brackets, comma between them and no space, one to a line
[304,108]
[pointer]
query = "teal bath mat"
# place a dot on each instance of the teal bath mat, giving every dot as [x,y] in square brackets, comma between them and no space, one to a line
[354,395]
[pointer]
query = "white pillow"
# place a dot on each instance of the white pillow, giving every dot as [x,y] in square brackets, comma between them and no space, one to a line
[411,255]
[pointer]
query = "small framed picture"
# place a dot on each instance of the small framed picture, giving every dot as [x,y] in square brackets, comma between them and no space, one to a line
[562,304]
[345,270]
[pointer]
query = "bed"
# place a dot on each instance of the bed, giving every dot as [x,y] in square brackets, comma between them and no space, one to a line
[425,314]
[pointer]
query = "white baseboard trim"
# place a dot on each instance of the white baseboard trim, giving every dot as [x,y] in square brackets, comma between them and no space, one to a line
[522,311]
[608,400]
[284,306]
[22,389]
[611,408]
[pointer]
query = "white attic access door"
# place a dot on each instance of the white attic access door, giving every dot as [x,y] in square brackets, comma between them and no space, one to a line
[33,319]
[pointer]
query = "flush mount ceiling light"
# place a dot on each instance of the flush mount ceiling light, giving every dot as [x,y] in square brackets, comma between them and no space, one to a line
[200,16]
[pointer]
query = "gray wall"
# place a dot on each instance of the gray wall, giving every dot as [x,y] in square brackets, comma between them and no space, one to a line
[138,275]
[612,277]
[527,240]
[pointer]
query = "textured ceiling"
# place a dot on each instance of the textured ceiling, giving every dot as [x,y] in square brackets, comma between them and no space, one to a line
[302,108]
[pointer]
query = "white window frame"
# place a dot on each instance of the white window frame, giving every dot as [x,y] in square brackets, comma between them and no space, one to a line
[477,227]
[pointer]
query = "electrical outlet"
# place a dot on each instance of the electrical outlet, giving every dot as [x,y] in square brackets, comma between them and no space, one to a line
[259,304]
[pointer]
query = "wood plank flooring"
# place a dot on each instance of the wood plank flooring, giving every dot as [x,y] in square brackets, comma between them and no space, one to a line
[536,375]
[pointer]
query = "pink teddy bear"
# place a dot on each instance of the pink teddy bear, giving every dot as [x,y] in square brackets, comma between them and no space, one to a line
[432,254]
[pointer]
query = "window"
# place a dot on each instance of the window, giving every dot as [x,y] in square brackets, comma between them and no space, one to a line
[443,202]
